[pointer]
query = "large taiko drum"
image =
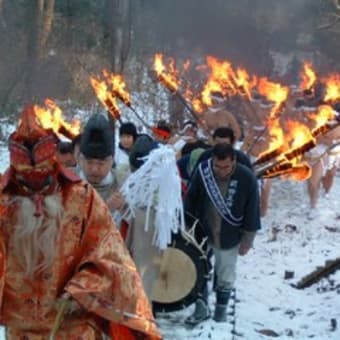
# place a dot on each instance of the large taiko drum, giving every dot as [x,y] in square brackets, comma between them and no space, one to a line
[183,273]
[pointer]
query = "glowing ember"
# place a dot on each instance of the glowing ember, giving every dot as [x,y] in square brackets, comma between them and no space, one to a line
[300,172]
[286,170]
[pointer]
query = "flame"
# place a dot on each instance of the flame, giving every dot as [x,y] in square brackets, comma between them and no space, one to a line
[277,94]
[274,92]
[211,87]
[168,76]
[105,97]
[308,77]
[51,117]
[218,80]
[298,133]
[300,172]
[298,136]
[276,134]
[198,105]
[225,80]
[287,170]
[244,83]
[324,114]
[332,84]
[118,87]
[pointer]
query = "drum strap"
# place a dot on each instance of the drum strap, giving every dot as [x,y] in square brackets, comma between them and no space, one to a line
[215,194]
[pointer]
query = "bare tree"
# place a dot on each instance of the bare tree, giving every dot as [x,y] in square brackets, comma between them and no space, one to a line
[41,13]
[35,13]
[48,20]
[119,26]
[1,6]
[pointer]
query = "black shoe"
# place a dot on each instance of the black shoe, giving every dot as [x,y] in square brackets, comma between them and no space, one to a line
[220,314]
[200,314]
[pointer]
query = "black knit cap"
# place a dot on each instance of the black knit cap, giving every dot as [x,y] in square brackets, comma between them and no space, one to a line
[142,147]
[128,129]
[97,138]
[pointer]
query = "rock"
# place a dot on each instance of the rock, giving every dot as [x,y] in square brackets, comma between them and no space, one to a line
[289,332]
[273,309]
[289,274]
[291,313]
[333,325]
[290,228]
[268,332]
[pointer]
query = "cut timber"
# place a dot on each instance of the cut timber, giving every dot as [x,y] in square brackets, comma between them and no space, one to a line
[319,273]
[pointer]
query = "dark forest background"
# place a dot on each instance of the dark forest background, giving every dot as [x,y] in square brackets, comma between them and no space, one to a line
[48,47]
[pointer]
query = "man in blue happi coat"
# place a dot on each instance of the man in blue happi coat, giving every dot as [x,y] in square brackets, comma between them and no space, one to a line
[223,196]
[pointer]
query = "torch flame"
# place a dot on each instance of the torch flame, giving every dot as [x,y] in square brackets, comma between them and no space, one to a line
[168,76]
[308,77]
[298,136]
[105,97]
[244,83]
[274,92]
[226,81]
[324,114]
[301,172]
[118,87]
[51,117]
[332,84]
[298,133]
[287,170]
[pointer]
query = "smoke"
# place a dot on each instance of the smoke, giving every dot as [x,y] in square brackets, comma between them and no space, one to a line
[248,33]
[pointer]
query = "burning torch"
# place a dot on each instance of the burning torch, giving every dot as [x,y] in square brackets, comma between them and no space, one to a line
[169,81]
[274,167]
[119,91]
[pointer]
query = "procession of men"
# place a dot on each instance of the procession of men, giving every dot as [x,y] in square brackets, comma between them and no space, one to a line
[104,228]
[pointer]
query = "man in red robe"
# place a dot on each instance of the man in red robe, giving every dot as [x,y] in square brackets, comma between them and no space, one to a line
[60,247]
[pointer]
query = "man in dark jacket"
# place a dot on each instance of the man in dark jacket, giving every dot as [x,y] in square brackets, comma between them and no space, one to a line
[226,135]
[223,196]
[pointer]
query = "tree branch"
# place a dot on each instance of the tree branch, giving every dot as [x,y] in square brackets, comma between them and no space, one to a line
[336,4]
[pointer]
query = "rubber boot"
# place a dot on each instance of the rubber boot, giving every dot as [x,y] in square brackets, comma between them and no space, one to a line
[201,312]
[222,298]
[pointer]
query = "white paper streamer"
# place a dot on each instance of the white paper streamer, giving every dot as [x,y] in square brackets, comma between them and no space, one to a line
[157,184]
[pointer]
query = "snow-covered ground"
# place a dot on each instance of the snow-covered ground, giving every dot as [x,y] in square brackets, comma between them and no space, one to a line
[266,301]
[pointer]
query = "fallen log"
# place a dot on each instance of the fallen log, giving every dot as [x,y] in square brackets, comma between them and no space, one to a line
[319,273]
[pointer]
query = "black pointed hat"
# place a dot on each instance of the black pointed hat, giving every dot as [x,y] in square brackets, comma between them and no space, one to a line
[97,140]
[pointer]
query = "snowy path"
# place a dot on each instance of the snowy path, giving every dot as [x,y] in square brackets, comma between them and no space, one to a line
[268,302]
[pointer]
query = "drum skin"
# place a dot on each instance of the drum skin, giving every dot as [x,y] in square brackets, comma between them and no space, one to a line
[183,274]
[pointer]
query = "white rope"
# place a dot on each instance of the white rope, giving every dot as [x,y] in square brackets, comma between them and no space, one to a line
[157,185]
